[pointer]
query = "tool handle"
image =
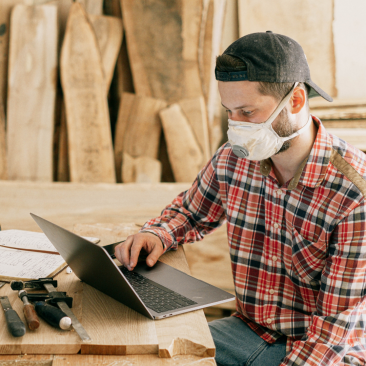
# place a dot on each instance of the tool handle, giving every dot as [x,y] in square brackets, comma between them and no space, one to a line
[31,317]
[15,325]
[52,315]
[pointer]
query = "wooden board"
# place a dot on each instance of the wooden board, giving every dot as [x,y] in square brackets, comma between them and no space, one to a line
[92,6]
[320,103]
[195,111]
[5,9]
[3,158]
[303,21]
[346,112]
[138,128]
[164,60]
[32,85]
[140,170]
[184,152]
[109,32]
[88,125]
[135,360]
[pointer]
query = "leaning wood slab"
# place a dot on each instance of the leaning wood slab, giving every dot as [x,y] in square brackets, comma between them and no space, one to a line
[32,92]
[164,59]
[185,155]
[138,128]
[87,115]
[109,32]
[140,170]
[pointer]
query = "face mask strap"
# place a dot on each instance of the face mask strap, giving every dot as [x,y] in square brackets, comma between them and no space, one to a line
[282,105]
[299,132]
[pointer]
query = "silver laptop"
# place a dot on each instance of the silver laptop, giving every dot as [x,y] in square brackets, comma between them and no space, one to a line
[156,292]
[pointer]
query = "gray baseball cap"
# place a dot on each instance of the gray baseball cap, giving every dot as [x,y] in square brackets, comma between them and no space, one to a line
[273,58]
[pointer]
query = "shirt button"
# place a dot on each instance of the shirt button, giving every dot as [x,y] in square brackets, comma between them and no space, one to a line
[269,321]
[276,225]
[274,258]
[271,291]
[279,192]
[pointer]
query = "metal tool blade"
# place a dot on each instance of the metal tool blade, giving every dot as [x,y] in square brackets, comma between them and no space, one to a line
[79,329]
[5,303]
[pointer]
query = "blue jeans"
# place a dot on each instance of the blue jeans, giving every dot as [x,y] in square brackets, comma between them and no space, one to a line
[237,345]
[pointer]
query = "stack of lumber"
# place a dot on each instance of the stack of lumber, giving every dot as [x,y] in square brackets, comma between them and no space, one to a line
[65,68]
[343,118]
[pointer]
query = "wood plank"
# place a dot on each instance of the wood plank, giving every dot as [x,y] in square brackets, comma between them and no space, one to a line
[308,19]
[132,360]
[194,110]
[140,170]
[5,9]
[174,36]
[184,152]
[138,129]
[354,123]
[88,125]
[32,84]
[213,99]
[346,112]
[109,32]
[26,360]
[3,157]
[320,103]
[94,7]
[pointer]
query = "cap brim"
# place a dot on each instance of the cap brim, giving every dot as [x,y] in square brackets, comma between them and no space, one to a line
[315,91]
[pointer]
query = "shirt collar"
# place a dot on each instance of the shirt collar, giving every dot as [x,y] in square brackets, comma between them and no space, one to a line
[312,170]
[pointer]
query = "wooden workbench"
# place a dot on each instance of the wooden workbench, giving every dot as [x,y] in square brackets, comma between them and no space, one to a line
[120,336]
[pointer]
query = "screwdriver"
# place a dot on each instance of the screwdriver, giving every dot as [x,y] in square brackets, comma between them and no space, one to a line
[52,315]
[29,311]
[15,325]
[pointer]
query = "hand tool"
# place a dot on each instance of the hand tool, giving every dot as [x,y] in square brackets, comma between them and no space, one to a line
[54,297]
[29,311]
[15,325]
[52,315]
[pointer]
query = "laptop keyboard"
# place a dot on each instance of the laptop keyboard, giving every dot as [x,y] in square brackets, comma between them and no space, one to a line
[154,295]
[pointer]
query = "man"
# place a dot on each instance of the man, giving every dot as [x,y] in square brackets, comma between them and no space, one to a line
[293,197]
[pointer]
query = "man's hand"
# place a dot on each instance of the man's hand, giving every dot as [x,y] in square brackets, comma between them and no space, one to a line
[128,252]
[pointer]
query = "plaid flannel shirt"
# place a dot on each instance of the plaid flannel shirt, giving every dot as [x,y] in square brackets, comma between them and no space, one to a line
[298,252]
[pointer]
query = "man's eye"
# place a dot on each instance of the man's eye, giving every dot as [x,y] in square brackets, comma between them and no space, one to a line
[247,113]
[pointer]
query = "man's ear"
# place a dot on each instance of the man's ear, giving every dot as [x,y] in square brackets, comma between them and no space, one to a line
[297,100]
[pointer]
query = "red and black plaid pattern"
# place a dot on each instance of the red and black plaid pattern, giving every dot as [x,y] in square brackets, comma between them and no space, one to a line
[298,252]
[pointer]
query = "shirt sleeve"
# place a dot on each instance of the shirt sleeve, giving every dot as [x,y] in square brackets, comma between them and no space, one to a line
[193,214]
[338,325]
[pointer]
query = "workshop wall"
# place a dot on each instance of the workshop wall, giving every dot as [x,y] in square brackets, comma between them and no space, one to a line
[124,90]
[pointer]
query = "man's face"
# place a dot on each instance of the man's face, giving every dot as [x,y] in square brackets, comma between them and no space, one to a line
[243,102]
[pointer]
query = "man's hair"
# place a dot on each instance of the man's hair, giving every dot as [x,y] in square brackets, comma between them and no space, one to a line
[277,90]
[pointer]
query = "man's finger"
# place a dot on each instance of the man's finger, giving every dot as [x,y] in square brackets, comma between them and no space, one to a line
[135,250]
[122,251]
[155,254]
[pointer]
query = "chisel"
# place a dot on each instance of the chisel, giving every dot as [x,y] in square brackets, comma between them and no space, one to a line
[29,311]
[15,325]
[52,315]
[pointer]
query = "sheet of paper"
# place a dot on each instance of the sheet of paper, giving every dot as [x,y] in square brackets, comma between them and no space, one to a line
[23,264]
[29,240]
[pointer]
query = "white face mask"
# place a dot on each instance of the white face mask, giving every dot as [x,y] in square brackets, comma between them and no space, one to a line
[259,141]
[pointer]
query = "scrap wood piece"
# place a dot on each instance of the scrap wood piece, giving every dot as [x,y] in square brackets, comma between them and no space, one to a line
[138,128]
[5,9]
[164,60]
[185,155]
[83,82]
[3,163]
[341,112]
[140,170]
[109,32]
[92,6]
[32,92]
[195,111]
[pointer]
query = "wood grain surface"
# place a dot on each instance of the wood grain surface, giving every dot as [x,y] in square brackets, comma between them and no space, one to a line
[184,152]
[32,92]
[87,115]
[164,59]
